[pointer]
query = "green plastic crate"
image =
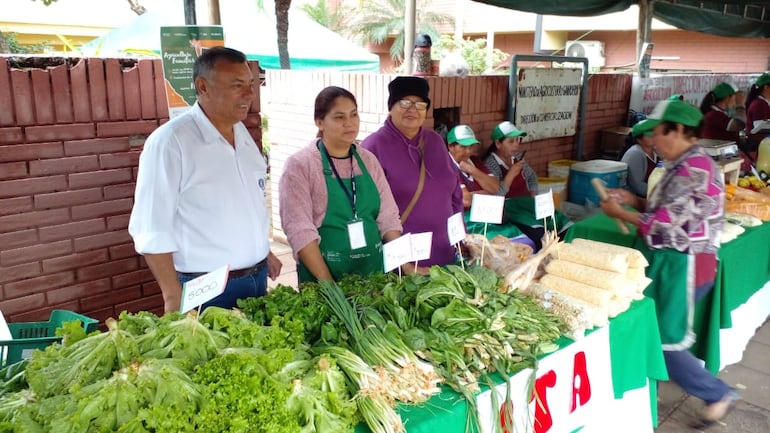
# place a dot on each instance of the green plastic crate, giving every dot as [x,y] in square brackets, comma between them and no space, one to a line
[28,336]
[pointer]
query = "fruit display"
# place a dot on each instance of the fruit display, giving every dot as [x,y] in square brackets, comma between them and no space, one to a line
[751,182]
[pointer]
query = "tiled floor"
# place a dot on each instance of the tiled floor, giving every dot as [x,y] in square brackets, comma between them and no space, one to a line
[675,409]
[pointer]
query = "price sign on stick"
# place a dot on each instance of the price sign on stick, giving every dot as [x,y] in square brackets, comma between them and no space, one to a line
[397,252]
[544,205]
[455,228]
[487,208]
[204,288]
[421,243]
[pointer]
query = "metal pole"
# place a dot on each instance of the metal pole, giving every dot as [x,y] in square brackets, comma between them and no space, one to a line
[644,26]
[409,31]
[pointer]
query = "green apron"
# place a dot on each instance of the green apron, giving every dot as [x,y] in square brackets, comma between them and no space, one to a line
[335,241]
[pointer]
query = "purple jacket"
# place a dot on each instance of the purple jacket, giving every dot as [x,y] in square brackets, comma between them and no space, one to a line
[441,196]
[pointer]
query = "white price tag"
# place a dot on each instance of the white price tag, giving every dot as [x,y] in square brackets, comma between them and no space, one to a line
[455,228]
[397,252]
[204,288]
[544,205]
[487,208]
[421,244]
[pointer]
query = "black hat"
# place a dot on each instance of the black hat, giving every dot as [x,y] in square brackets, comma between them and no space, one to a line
[405,86]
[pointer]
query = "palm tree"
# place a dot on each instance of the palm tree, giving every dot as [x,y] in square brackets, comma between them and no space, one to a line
[335,19]
[282,30]
[379,19]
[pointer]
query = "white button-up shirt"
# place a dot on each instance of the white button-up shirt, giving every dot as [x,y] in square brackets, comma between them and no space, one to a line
[199,198]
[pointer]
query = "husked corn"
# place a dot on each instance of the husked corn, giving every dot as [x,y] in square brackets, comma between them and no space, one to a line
[607,280]
[635,274]
[584,255]
[592,295]
[636,258]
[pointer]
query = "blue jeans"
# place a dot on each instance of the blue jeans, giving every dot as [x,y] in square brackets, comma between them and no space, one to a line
[247,286]
[689,373]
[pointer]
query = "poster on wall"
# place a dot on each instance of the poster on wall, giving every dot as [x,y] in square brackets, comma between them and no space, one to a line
[180,46]
[647,92]
[547,102]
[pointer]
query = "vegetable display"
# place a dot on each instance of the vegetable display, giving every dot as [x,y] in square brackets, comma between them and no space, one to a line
[321,359]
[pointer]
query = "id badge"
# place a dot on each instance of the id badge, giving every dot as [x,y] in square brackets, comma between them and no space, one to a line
[356,234]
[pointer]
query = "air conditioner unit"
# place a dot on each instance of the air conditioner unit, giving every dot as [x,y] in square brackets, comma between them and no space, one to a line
[592,50]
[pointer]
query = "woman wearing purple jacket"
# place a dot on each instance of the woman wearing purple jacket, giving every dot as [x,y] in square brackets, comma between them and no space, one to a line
[418,167]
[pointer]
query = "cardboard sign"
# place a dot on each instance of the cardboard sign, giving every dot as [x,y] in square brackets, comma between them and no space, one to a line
[200,290]
[455,228]
[397,252]
[421,245]
[544,205]
[487,208]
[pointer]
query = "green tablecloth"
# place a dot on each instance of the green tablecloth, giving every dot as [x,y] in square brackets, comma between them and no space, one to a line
[744,267]
[635,357]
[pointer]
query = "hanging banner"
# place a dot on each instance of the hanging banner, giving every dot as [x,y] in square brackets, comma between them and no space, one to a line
[647,92]
[180,46]
[547,102]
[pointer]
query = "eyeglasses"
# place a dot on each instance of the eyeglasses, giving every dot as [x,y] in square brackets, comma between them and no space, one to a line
[407,104]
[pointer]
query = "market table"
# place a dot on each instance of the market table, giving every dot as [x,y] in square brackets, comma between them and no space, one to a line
[603,382]
[726,319]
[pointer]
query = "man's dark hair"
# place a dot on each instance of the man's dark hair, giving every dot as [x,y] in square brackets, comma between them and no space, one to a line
[209,58]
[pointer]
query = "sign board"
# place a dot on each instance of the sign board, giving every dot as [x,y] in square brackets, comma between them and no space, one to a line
[547,102]
[544,207]
[200,290]
[647,92]
[180,46]
[572,389]
[421,245]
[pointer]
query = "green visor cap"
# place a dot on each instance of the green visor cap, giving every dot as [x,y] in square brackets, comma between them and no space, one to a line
[723,90]
[763,79]
[675,111]
[506,129]
[462,135]
[640,129]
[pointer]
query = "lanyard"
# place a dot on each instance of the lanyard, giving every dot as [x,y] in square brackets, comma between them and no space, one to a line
[351,194]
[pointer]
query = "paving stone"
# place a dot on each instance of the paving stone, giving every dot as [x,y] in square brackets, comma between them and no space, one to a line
[757,356]
[753,385]
[763,334]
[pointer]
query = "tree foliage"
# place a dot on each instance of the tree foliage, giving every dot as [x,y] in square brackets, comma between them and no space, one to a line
[9,43]
[376,20]
[474,51]
[334,19]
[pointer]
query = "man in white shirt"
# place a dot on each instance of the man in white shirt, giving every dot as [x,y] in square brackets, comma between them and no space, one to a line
[200,192]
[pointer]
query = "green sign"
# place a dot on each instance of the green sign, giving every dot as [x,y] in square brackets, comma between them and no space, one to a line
[179,47]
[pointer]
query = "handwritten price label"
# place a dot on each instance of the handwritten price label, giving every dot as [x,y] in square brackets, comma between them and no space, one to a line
[421,245]
[544,205]
[397,252]
[455,228]
[204,288]
[487,208]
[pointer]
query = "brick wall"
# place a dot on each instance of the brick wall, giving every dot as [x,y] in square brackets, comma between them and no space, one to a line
[70,135]
[482,101]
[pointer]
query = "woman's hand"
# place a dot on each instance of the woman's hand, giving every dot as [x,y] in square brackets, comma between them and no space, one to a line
[467,167]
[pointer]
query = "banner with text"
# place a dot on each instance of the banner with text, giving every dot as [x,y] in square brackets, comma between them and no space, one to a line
[179,47]
[647,92]
[571,392]
[547,102]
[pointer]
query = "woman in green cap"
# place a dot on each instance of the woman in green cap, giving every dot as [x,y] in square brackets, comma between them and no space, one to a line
[681,223]
[758,103]
[717,122]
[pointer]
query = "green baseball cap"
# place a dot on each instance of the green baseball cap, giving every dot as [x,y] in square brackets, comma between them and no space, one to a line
[506,129]
[678,96]
[641,129]
[763,79]
[462,135]
[668,110]
[723,90]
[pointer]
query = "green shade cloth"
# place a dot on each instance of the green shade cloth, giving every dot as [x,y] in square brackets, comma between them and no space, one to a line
[743,269]
[635,356]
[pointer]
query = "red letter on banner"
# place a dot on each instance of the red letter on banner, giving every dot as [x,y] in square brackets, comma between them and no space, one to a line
[581,385]
[543,419]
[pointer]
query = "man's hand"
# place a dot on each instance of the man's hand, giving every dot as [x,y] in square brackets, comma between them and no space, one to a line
[274,266]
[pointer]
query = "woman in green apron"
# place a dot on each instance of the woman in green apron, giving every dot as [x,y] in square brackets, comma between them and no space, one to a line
[335,203]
